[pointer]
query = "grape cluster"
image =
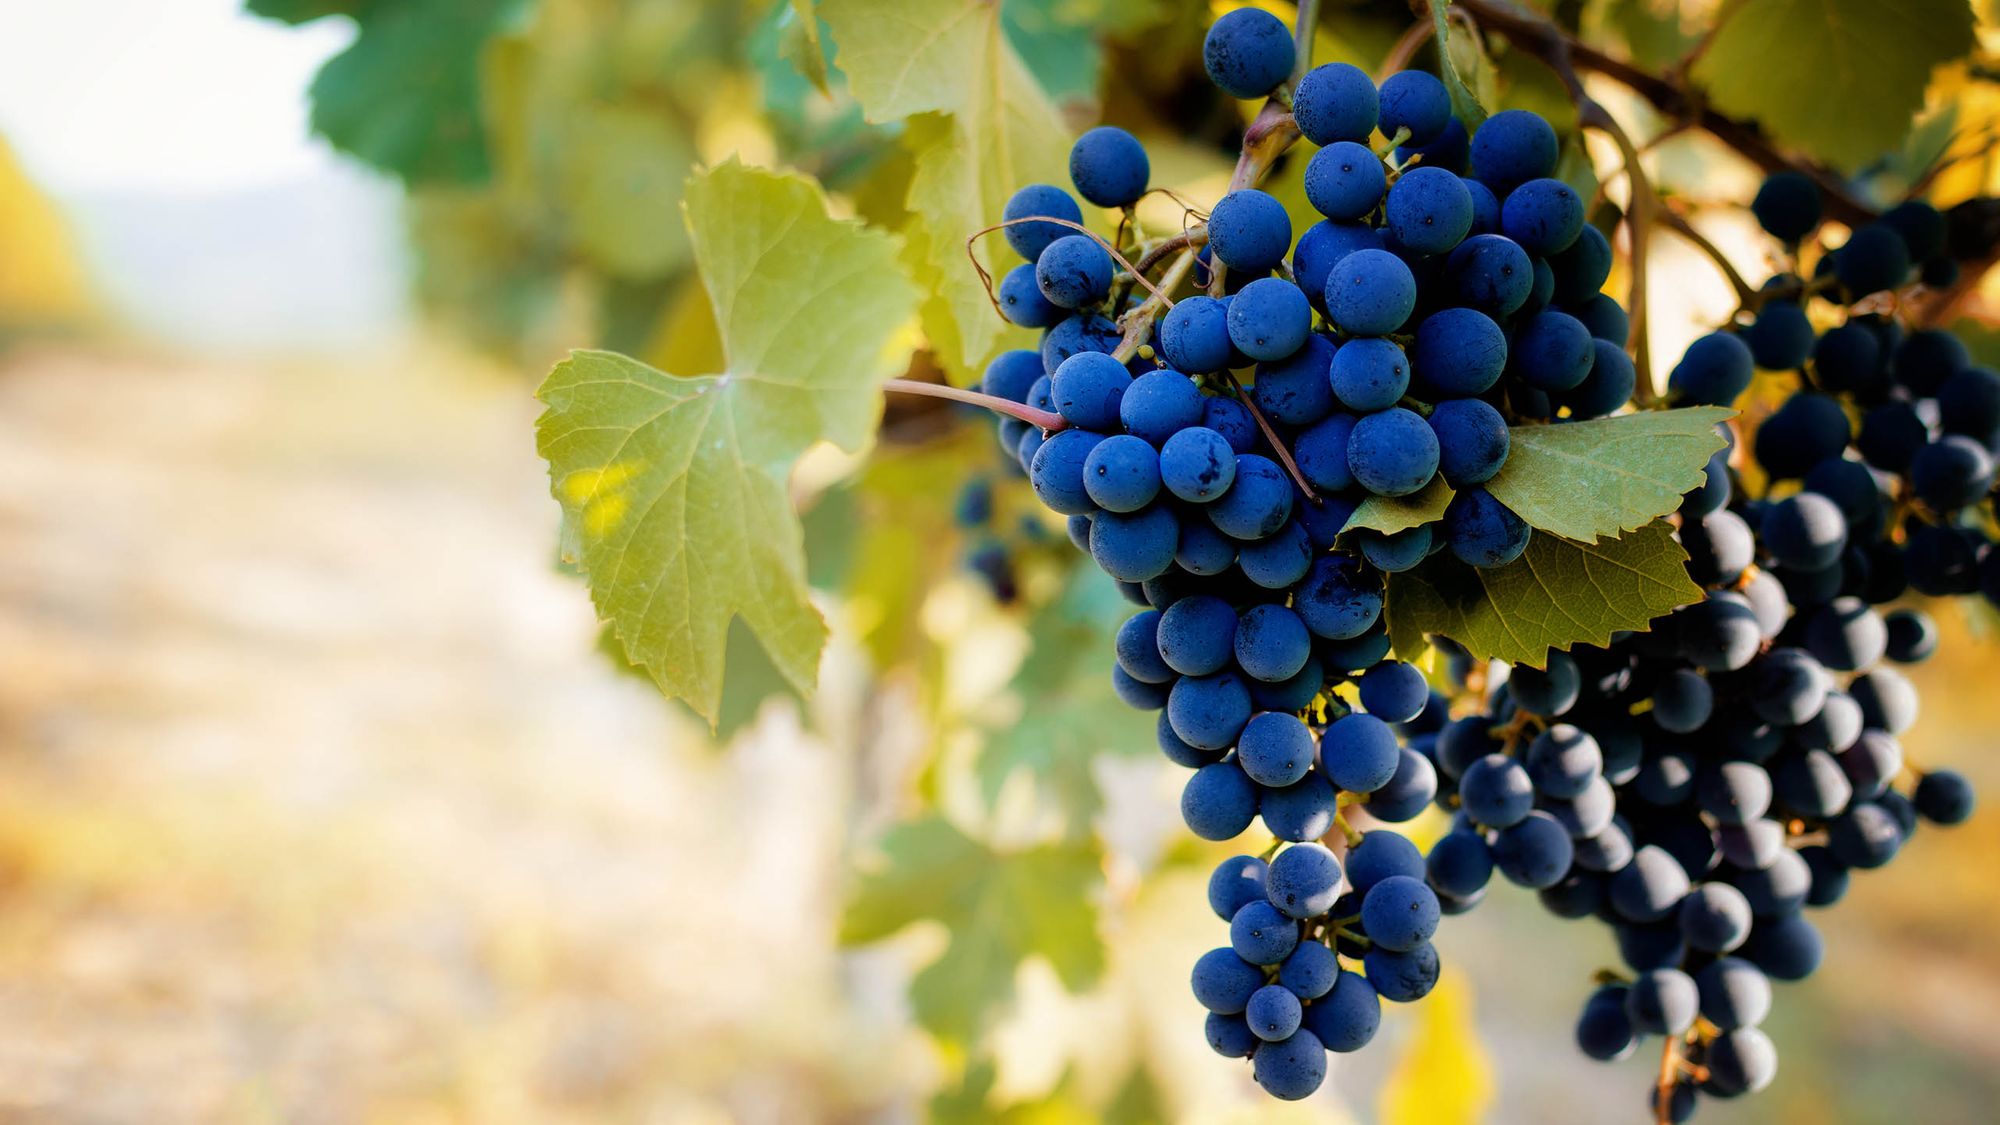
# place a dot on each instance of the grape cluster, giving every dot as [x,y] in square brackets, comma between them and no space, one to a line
[1389,348]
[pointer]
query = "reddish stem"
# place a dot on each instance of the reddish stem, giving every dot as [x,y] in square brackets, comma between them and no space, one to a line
[1046,421]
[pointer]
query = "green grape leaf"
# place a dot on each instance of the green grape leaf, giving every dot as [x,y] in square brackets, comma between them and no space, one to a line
[802,43]
[1000,131]
[1070,716]
[305,11]
[406,96]
[1000,908]
[1848,77]
[1453,57]
[621,176]
[1587,480]
[673,487]
[1556,595]
[1058,43]
[1390,514]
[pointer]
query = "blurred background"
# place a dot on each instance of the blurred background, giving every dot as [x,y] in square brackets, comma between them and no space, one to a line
[322,798]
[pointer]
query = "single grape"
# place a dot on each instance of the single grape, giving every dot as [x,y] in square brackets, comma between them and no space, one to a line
[1416,101]
[1534,853]
[1402,977]
[1074,272]
[1490,273]
[1787,205]
[1249,231]
[1247,52]
[1400,913]
[1392,452]
[1209,711]
[1604,1031]
[1512,147]
[1335,102]
[1109,167]
[1545,216]
[1223,982]
[1369,292]
[1269,319]
[1347,1017]
[1292,1068]
[1196,464]
[1258,501]
[1275,749]
[1194,335]
[1663,1002]
[1273,1013]
[1297,389]
[1345,182]
[1428,210]
[1045,200]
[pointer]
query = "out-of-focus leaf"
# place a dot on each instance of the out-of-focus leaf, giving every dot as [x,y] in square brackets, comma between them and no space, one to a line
[802,43]
[305,11]
[674,487]
[1653,31]
[999,131]
[1839,78]
[1060,48]
[1000,908]
[42,279]
[406,97]
[1443,1076]
[1456,63]
[1586,480]
[622,172]
[1556,595]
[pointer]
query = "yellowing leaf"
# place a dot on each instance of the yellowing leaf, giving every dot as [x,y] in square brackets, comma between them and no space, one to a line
[673,487]
[1001,907]
[1443,1076]
[1556,595]
[905,58]
[1840,78]
[1586,480]
[1390,514]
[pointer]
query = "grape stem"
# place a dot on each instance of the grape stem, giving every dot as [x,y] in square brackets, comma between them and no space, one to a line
[1271,436]
[986,278]
[1663,1093]
[1544,40]
[1302,38]
[1747,298]
[1044,420]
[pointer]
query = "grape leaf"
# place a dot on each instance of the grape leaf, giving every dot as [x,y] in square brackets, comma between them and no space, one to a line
[1000,131]
[1069,713]
[1000,908]
[1443,1074]
[802,44]
[1586,480]
[1451,57]
[1556,595]
[1390,514]
[305,11]
[406,96]
[621,174]
[673,487]
[1850,74]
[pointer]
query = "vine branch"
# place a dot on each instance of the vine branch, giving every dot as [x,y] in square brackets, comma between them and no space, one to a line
[1046,421]
[1747,298]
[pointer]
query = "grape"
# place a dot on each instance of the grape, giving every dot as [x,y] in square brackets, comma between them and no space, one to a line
[1247,52]
[1273,1013]
[1734,993]
[1135,546]
[1022,303]
[1196,465]
[1269,319]
[1888,701]
[1030,239]
[1969,404]
[1460,864]
[1229,1036]
[1122,474]
[1346,1019]
[1871,762]
[1920,225]
[1299,812]
[1311,971]
[1450,150]
[1563,760]
[1324,244]
[1360,753]
[1011,374]
[1109,167]
[1344,181]
[1209,711]
[1812,784]
[1356,653]
[1944,797]
[1952,472]
[1057,471]
[1496,791]
[1740,1062]
[1490,273]
[1848,360]
[1806,430]
[1262,935]
[1926,359]
[1336,601]
[1409,791]
[1792,689]
[1258,502]
[1249,231]
[1223,982]
[1829,877]
[1609,385]
[1534,853]
[1787,205]
[1295,390]
[1335,102]
[1083,332]
[1194,335]
[1581,269]
[1074,271]
[1472,441]
[1393,554]
[1645,948]
[1138,648]
[1370,293]
[1512,147]
[1553,351]
[1544,216]
[1321,453]
[1392,452]
[1293,1068]
[1846,635]
[1605,318]
[1400,913]
[1604,852]
[1271,643]
[1402,977]
[1604,1032]
[1382,855]
[1459,352]
[1715,918]
[1196,636]
[1482,532]
[1550,691]
[1662,1002]
[1650,887]
[1394,692]
[1304,880]
[1417,101]
[1873,259]
[1782,337]
[1756,844]
[1275,749]
[1428,210]
[1865,836]
[1806,532]
[1158,405]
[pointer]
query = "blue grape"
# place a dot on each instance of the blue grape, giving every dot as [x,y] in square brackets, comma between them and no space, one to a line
[1295,390]
[1258,502]
[1604,1032]
[1135,546]
[1782,337]
[1218,802]
[1087,388]
[1074,271]
[1269,319]
[1084,332]
[1740,1062]
[1279,560]
[1402,977]
[1292,1068]
[1417,101]
[1450,150]
[1944,797]
[1534,853]
[1022,303]
[1553,351]
[1381,855]
[1786,949]
[1204,550]
[1874,258]
[1482,532]
[1194,335]
[1336,600]
[1012,374]
[1223,982]
[1926,358]
[1347,1017]
[1733,993]
[1400,913]
[1321,453]
[1262,935]
[1392,452]
[1229,1036]
[1609,385]
[1160,404]
[1512,147]
[1715,918]
[1969,404]
[1311,971]
[1138,648]
[1563,760]
[1271,643]
[1273,1013]
[1428,210]
[1787,205]
[1369,374]
[1472,441]
[1344,182]
[1485,207]
[1058,468]
[1232,420]
[1235,882]
[1249,231]
[1322,246]
[1275,749]
[1663,1002]
[1409,791]
[1545,216]
[1370,293]
[1460,864]
[1951,473]
[1491,273]
[1196,465]
[1496,791]
[1394,692]
[1605,318]
[1459,352]
[1304,880]
[1335,102]
[1359,752]
[1299,812]
[1247,52]
[1849,360]
[1581,270]
[1650,887]
[1293,693]
[1109,167]
[1196,636]
[1209,711]
[1122,474]
[1030,239]
[1393,554]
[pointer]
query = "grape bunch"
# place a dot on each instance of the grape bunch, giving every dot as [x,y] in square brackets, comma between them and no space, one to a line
[1388,349]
